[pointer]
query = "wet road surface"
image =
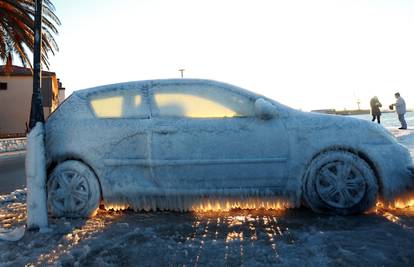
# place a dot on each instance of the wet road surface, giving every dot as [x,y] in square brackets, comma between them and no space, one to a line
[12,174]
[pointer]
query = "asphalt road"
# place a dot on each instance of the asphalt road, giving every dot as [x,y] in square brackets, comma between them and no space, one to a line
[12,174]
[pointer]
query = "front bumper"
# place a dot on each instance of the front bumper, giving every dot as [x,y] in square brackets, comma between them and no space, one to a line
[395,170]
[411,170]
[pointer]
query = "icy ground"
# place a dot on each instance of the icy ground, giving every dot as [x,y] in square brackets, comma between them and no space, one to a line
[240,237]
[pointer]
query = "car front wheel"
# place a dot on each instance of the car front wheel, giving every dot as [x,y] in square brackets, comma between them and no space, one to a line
[73,190]
[340,182]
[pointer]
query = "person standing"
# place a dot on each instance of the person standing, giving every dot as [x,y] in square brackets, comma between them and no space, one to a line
[401,110]
[375,109]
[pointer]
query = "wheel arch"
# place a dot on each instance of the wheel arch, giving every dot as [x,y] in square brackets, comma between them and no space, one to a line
[358,152]
[55,162]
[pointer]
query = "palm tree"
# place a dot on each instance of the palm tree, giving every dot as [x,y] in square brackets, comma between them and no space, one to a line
[17,31]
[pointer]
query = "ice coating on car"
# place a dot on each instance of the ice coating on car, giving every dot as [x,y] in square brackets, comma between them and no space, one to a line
[220,200]
[198,144]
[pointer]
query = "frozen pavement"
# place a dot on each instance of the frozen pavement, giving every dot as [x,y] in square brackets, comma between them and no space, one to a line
[236,238]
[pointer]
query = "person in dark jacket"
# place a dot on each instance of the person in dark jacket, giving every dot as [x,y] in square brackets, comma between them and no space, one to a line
[375,109]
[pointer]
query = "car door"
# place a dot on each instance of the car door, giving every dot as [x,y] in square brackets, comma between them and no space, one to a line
[121,126]
[208,139]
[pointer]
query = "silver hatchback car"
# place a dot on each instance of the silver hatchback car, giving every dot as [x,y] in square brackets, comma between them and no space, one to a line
[188,144]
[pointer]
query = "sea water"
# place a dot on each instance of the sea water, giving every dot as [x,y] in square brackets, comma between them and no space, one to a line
[390,120]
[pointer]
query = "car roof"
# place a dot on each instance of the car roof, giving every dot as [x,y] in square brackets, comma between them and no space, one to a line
[84,93]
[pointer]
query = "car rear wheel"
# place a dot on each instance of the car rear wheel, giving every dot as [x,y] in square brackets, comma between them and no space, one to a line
[339,182]
[73,190]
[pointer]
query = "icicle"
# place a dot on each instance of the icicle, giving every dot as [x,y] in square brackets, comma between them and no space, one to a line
[222,200]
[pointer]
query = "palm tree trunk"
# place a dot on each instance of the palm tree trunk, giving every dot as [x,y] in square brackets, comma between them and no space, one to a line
[36,112]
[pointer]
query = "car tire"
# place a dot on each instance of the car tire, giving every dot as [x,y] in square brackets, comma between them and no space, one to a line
[73,190]
[340,182]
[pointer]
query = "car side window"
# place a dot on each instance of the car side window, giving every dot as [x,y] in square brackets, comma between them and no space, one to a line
[119,104]
[198,101]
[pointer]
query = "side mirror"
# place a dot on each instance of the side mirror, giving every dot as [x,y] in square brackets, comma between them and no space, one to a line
[264,109]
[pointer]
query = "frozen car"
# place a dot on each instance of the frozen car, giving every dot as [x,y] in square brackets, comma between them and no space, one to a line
[173,144]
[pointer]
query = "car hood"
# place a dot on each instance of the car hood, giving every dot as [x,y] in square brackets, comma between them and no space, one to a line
[334,128]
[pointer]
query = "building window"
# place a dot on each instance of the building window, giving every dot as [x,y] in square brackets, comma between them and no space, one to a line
[3,86]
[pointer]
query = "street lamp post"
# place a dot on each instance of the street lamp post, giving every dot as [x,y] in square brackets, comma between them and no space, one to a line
[182,72]
[35,153]
[36,111]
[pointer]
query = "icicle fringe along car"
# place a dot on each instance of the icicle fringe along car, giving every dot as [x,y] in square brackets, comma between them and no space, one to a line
[189,144]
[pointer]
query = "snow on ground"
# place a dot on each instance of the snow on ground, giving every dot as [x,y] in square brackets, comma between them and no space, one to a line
[295,237]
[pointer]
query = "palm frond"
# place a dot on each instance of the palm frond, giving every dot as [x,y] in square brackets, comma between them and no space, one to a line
[17,30]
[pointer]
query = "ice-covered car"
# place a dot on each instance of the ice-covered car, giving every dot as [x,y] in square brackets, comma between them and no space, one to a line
[176,144]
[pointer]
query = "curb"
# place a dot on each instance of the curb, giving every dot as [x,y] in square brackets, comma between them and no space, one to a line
[12,144]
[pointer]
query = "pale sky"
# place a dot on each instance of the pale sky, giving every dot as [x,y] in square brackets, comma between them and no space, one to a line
[306,54]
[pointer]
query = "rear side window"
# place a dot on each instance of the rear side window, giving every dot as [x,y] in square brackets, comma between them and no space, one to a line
[108,107]
[119,104]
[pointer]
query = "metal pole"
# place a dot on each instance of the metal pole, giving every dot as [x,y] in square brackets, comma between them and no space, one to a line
[182,72]
[36,112]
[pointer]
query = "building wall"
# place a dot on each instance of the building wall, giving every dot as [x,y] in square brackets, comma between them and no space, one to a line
[15,102]
[61,96]
[55,94]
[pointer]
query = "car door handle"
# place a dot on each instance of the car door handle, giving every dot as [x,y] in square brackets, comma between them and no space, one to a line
[165,130]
